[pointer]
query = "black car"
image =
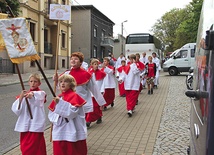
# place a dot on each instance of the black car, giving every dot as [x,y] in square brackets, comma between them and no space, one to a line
[202,93]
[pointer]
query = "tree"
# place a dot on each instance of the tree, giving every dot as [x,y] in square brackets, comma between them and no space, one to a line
[165,28]
[14,5]
[179,26]
[187,31]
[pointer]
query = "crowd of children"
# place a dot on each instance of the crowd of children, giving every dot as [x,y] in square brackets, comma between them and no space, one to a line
[85,92]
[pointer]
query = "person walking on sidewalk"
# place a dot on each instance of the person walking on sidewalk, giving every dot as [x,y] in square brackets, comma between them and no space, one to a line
[158,68]
[109,83]
[150,75]
[131,80]
[86,86]
[120,71]
[32,139]
[98,76]
[68,118]
[141,67]
[144,60]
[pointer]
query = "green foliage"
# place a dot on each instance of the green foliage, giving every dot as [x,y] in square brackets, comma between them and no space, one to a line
[179,26]
[13,4]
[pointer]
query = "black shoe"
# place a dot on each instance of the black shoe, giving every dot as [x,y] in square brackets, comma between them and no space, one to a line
[155,86]
[151,91]
[88,124]
[112,104]
[105,108]
[99,120]
[137,102]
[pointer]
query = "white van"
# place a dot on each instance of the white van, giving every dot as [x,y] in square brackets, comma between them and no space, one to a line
[181,60]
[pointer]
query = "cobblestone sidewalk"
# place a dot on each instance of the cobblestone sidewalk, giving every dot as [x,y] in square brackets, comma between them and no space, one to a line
[173,134]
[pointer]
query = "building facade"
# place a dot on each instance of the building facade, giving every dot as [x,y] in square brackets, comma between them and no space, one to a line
[44,33]
[92,32]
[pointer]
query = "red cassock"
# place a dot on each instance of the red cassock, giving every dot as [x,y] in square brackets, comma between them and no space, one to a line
[97,113]
[131,99]
[121,85]
[70,148]
[32,143]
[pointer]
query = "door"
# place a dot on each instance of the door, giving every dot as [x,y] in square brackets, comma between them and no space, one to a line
[182,61]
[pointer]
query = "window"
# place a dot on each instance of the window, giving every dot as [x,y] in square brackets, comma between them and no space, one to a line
[45,35]
[182,54]
[45,62]
[32,30]
[192,53]
[95,52]
[95,31]
[63,39]
[63,2]
[63,63]
[32,64]
[102,34]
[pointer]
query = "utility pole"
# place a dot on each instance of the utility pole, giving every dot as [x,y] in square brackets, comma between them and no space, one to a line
[122,50]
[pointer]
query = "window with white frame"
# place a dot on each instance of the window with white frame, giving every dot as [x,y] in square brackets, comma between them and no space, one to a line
[95,31]
[103,34]
[95,52]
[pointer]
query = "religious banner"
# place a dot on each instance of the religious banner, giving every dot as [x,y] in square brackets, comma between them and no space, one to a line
[2,44]
[18,41]
[60,12]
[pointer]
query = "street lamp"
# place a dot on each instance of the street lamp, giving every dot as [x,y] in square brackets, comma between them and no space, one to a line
[122,35]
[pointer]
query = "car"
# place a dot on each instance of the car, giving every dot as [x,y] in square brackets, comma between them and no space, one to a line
[202,93]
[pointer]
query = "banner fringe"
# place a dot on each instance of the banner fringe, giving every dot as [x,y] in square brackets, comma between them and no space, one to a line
[26,58]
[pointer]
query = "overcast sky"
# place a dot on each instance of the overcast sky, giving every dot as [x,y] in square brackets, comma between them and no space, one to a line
[141,14]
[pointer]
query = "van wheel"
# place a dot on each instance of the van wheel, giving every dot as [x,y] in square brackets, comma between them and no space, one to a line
[173,71]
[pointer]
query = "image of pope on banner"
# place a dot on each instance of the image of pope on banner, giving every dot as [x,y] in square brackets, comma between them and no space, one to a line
[18,41]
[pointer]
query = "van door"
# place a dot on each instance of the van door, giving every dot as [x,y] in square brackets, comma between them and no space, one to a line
[192,57]
[182,61]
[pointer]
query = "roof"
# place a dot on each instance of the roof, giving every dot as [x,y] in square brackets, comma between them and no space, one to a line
[94,10]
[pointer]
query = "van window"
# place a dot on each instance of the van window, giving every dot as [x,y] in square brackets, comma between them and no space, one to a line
[182,54]
[192,53]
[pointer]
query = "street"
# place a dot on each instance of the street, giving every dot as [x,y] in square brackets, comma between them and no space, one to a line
[9,138]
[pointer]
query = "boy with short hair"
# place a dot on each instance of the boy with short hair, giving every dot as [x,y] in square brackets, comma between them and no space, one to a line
[68,118]
[98,77]
[32,139]
[131,80]
[109,83]
[120,71]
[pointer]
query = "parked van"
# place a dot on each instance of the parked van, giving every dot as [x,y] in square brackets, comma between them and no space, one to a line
[180,60]
[202,95]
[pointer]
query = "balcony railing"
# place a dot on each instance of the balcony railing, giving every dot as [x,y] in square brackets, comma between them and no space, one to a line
[48,48]
[107,41]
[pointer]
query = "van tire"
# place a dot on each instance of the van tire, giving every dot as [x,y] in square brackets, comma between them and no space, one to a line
[173,71]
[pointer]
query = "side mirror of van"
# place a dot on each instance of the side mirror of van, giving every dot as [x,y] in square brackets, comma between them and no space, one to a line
[209,40]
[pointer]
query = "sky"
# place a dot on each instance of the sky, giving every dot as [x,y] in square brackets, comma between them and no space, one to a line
[141,15]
